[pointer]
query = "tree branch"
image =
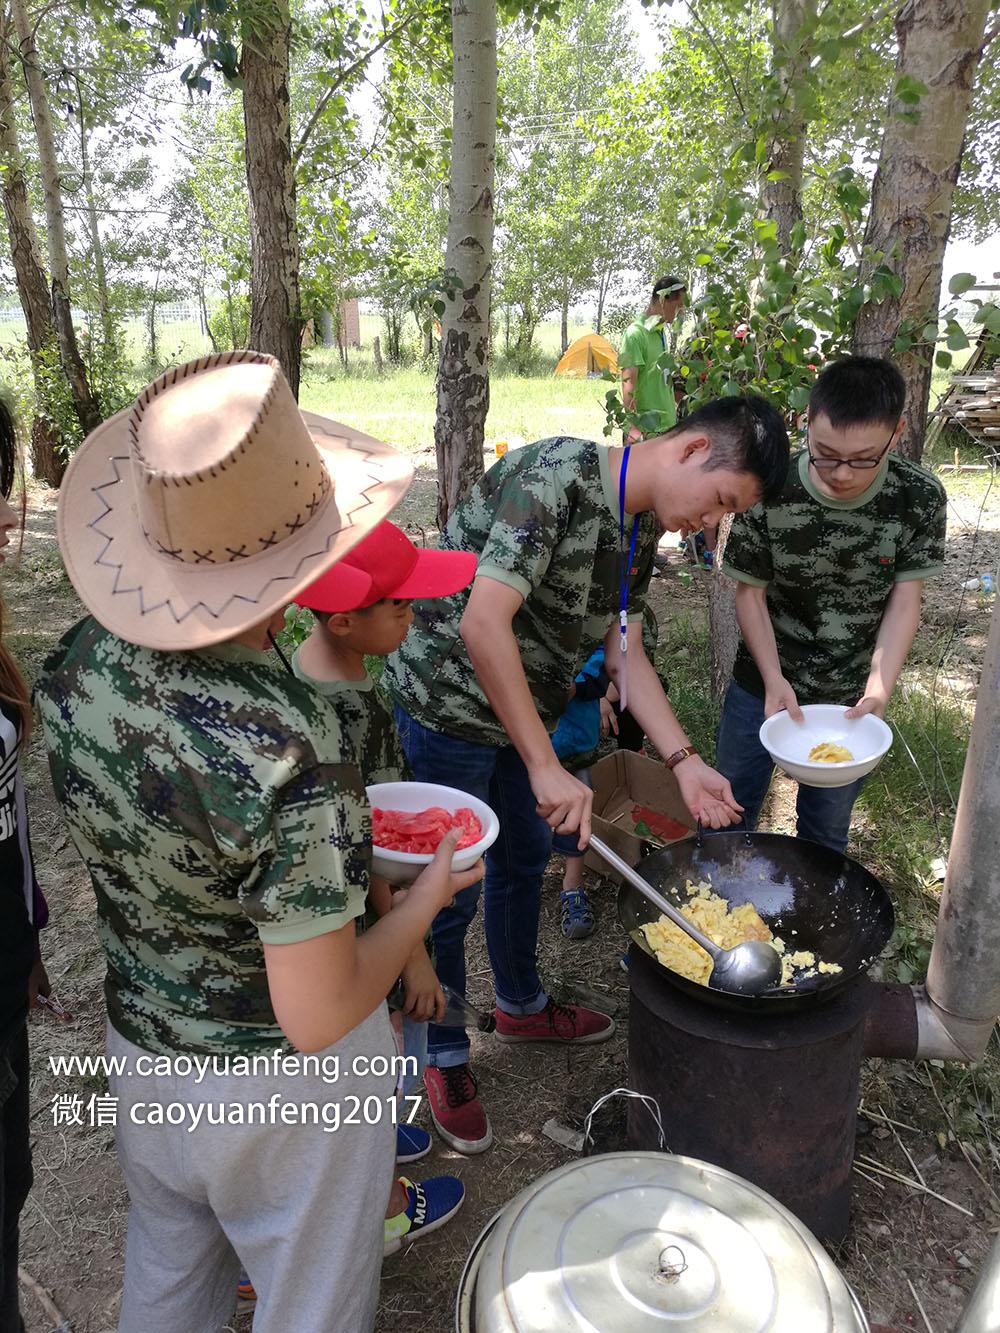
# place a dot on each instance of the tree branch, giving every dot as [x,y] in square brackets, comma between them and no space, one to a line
[725,64]
[351,69]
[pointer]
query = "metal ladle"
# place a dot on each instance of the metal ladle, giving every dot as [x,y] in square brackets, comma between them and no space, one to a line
[746,969]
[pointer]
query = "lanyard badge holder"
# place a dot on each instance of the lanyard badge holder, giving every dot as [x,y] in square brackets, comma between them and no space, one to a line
[625,573]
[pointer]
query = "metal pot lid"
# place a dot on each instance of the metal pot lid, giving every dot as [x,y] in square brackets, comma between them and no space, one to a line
[650,1243]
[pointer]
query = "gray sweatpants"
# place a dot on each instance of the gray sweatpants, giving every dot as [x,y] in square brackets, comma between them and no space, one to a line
[301,1204]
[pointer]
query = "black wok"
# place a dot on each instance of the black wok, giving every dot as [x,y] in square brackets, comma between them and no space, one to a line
[814,898]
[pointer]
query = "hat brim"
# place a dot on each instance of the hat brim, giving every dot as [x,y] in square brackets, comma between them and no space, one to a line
[437,574]
[157,602]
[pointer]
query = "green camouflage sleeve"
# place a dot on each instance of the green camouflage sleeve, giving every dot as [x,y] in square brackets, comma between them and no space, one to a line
[313,875]
[529,518]
[921,553]
[747,557]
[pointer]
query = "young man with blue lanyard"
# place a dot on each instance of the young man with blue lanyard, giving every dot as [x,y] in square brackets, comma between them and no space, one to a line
[564,532]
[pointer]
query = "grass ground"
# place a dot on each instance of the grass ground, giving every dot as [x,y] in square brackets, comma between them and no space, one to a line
[908,1253]
[399,407]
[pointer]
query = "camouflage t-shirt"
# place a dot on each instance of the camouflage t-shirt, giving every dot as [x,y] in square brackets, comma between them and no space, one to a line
[209,798]
[829,567]
[544,520]
[367,723]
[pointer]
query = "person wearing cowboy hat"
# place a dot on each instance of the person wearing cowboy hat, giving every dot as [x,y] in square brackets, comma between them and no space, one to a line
[216,805]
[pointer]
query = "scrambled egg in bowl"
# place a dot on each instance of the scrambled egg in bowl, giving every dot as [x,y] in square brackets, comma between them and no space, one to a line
[829,753]
[727,927]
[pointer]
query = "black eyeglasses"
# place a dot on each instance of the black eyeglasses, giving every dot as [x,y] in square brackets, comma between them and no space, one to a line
[858,464]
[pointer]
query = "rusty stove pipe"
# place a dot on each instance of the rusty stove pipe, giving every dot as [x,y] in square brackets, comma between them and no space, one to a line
[951,1018]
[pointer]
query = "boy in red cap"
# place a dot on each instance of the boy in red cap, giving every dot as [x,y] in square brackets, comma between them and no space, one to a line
[362,608]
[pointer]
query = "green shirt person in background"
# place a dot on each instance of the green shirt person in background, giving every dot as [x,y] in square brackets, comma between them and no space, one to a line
[646,387]
[829,580]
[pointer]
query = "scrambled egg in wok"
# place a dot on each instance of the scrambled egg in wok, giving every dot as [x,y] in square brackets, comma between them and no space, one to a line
[712,915]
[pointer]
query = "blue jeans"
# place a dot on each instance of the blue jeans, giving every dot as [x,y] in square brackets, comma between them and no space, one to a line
[823,813]
[513,886]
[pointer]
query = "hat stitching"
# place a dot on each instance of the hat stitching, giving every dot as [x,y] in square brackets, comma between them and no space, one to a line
[362,502]
[211,362]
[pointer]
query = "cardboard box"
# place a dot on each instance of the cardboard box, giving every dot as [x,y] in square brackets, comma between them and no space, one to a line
[621,782]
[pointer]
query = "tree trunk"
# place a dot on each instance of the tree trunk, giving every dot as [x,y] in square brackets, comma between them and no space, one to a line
[564,327]
[724,633]
[275,317]
[96,245]
[781,203]
[463,385]
[939,44]
[781,199]
[84,402]
[47,462]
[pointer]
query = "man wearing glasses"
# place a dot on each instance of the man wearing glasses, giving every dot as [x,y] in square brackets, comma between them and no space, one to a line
[829,580]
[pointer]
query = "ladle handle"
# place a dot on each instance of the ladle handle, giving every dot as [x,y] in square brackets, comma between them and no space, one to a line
[657,899]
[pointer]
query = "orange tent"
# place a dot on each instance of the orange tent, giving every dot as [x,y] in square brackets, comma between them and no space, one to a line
[589,355]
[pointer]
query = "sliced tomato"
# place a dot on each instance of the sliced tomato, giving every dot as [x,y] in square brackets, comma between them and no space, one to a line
[420,831]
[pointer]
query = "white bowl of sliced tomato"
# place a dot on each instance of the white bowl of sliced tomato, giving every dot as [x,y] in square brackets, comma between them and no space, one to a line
[409,819]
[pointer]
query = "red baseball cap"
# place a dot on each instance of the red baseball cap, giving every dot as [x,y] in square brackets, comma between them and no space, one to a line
[387,564]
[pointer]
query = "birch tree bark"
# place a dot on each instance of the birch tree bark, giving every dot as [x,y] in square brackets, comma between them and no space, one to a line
[781,203]
[29,271]
[781,189]
[84,401]
[463,383]
[940,43]
[275,314]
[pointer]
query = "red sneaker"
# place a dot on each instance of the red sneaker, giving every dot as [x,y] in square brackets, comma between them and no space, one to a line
[456,1110]
[556,1022]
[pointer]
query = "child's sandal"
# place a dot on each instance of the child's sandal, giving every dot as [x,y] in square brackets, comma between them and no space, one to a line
[577,914]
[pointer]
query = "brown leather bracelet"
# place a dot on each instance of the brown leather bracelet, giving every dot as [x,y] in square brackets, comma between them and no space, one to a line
[678,755]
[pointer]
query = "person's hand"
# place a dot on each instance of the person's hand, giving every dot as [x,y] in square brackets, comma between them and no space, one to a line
[437,882]
[871,703]
[778,694]
[634,435]
[609,718]
[707,794]
[564,802]
[38,983]
[424,997]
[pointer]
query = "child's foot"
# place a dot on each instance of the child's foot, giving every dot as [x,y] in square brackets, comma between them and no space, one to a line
[577,915]
[429,1205]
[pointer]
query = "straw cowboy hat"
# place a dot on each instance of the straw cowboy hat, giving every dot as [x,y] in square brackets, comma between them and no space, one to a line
[209,504]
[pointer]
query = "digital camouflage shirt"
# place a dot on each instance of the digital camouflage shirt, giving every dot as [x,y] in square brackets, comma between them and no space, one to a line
[208,795]
[829,566]
[544,520]
[368,727]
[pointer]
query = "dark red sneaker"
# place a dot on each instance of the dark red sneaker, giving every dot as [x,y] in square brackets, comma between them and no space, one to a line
[456,1110]
[556,1022]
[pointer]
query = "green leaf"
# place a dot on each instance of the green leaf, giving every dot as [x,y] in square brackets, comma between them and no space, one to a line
[961,282]
[943,359]
[958,341]
[910,90]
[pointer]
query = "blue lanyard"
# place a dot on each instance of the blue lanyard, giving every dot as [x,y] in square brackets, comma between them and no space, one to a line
[626,566]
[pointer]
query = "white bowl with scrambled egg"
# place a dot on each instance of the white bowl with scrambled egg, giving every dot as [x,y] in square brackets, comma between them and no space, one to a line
[827,749]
